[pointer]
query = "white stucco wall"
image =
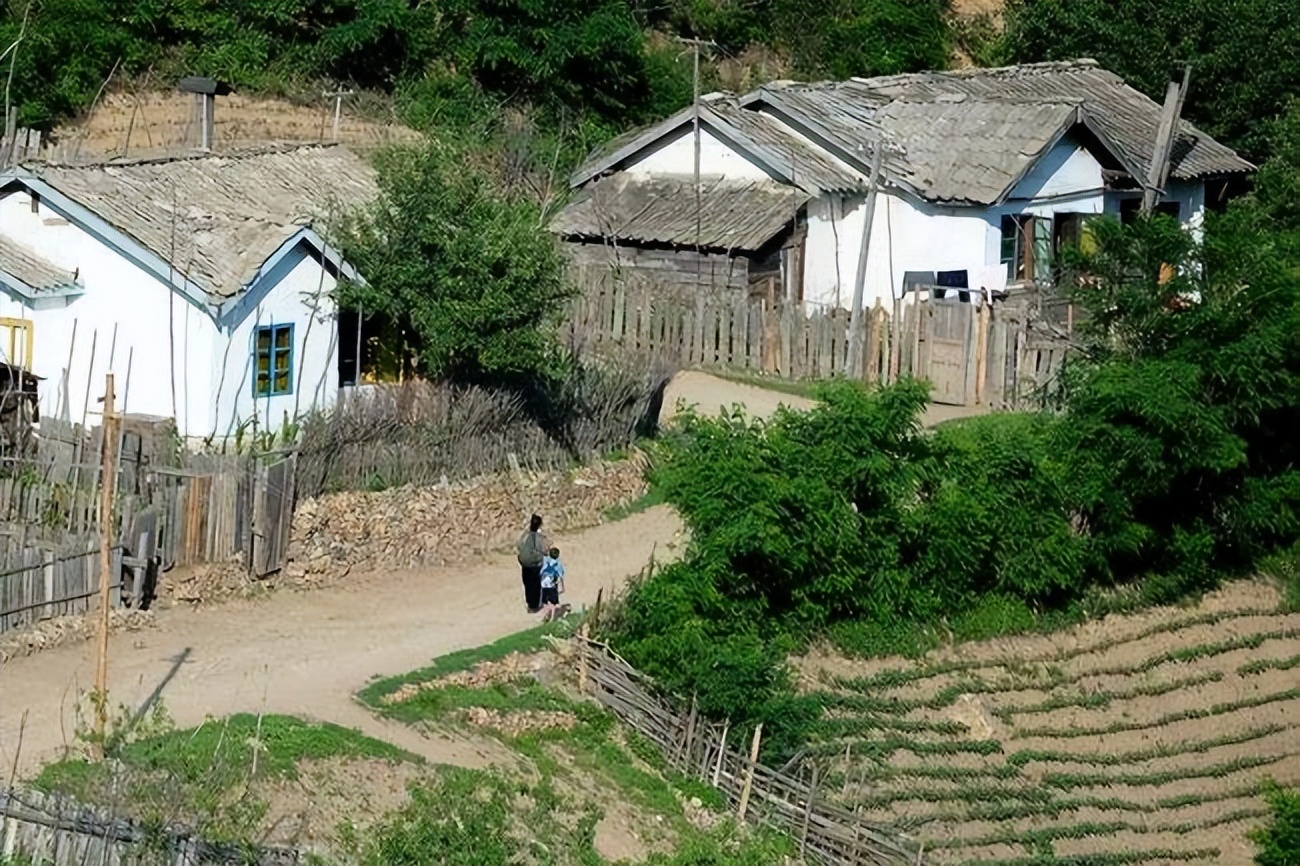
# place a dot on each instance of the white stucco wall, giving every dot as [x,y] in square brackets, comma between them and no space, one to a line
[124,314]
[307,286]
[675,154]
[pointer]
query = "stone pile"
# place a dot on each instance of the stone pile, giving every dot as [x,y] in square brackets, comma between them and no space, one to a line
[50,633]
[413,527]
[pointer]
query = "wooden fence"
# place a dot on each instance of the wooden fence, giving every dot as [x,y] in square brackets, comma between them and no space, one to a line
[213,509]
[50,830]
[999,354]
[826,833]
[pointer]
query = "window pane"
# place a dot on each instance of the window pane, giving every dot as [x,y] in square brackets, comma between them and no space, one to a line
[282,337]
[263,362]
[282,382]
[263,339]
[1042,247]
[263,384]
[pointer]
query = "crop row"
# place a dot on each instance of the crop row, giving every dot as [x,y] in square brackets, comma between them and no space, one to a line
[1102,699]
[1116,859]
[1067,781]
[895,677]
[1259,666]
[1047,835]
[949,694]
[1054,807]
[1016,762]
[1120,727]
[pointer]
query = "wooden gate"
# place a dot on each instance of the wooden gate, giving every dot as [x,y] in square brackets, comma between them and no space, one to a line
[273,516]
[949,332]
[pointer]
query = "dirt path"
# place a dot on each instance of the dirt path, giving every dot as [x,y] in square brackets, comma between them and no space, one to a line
[307,653]
[711,394]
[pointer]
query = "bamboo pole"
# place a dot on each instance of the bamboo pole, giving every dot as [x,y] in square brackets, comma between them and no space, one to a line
[749,773]
[582,661]
[722,751]
[107,483]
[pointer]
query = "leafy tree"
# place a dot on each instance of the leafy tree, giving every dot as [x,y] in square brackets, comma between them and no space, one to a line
[1245,63]
[473,280]
[844,38]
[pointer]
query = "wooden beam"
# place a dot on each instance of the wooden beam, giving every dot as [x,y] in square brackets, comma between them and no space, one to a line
[860,278]
[1158,172]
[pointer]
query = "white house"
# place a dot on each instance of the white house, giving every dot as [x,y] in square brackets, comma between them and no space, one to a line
[202,282]
[985,173]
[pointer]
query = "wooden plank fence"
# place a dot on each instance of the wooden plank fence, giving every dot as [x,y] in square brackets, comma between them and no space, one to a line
[999,354]
[51,830]
[215,509]
[826,833]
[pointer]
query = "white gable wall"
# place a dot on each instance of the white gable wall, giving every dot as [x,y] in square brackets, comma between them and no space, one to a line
[125,313]
[129,317]
[307,288]
[675,154]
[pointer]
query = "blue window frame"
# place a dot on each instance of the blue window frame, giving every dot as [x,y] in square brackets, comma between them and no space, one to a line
[273,361]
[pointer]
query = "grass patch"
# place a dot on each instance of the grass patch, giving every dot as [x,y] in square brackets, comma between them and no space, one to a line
[525,642]
[652,497]
[1110,859]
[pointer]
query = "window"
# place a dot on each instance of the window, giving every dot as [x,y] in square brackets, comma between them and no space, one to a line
[1027,247]
[273,361]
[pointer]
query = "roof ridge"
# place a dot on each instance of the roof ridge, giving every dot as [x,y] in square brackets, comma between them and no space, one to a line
[240,153]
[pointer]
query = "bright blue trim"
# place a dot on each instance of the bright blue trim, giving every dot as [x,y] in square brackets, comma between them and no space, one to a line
[116,240]
[302,243]
[270,331]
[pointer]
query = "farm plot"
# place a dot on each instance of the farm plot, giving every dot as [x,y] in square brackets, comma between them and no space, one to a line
[1140,739]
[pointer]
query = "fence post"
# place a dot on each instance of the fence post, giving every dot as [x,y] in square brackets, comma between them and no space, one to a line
[582,660]
[722,751]
[749,773]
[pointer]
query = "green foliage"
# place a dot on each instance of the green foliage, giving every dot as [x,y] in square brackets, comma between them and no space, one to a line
[1279,841]
[1170,465]
[461,820]
[471,278]
[1147,45]
[844,38]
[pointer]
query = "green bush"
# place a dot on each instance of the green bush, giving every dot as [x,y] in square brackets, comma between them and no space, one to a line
[1279,841]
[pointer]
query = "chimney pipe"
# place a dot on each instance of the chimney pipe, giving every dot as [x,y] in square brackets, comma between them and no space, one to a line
[203,118]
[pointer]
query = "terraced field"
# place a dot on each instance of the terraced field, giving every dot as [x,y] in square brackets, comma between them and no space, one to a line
[1139,739]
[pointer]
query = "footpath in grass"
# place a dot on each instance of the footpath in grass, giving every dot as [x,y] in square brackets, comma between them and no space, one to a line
[619,800]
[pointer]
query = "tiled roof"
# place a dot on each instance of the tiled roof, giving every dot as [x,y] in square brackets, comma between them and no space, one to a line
[27,265]
[217,219]
[733,215]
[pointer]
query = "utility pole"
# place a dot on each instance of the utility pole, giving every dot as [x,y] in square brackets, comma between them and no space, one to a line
[696,44]
[337,96]
[108,482]
[860,278]
[1158,173]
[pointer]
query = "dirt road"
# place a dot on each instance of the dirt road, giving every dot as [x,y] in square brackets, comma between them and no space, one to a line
[307,653]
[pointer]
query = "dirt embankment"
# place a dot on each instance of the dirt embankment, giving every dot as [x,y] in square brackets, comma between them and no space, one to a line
[157,123]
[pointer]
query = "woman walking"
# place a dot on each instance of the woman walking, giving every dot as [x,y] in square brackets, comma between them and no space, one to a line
[532,551]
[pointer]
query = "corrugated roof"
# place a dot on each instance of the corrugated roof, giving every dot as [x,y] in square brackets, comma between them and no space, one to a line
[972,152]
[813,169]
[733,215]
[1128,117]
[788,155]
[964,132]
[218,218]
[27,265]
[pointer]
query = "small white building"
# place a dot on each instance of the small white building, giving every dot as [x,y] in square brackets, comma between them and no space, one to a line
[985,174]
[202,282]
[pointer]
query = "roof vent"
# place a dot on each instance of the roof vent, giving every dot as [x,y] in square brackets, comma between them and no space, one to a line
[206,91]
